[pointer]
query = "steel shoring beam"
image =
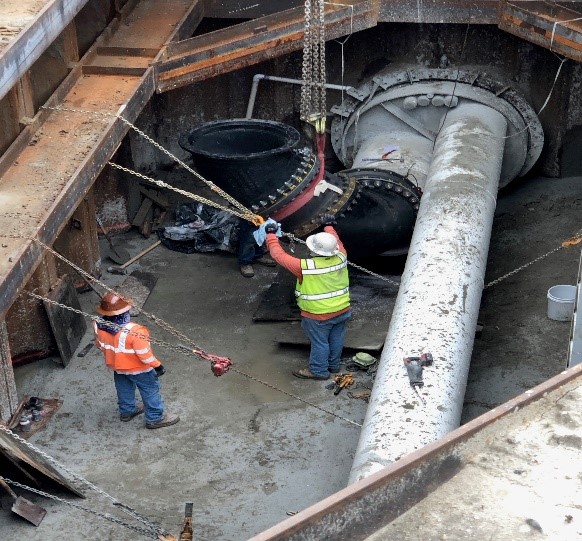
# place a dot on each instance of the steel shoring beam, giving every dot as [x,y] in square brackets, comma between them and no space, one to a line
[551,26]
[21,53]
[255,41]
[48,177]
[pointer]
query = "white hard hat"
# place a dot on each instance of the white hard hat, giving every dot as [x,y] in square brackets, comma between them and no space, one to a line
[322,244]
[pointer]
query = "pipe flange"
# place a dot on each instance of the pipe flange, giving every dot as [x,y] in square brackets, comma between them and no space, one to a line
[378,179]
[292,188]
[405,95]
[349,186]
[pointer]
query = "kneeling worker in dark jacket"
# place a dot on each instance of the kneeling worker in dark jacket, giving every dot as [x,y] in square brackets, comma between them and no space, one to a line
[323,295]
[128,353]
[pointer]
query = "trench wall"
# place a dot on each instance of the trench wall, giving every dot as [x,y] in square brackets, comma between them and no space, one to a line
[527,67]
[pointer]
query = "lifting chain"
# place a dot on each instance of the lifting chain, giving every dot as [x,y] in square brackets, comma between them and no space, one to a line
[196,350]
[195,197]
[252,217]
[190,195]
[183,349]
[575,239]
[313,104]
[106,516]
[128,510]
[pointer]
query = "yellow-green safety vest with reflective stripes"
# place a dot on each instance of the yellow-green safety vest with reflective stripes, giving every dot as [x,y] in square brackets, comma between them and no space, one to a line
[326,286]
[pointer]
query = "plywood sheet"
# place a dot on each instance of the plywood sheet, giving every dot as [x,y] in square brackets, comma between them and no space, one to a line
[68,327]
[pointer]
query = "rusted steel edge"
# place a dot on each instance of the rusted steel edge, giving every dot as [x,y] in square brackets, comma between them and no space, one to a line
[360,509]
[569,29]
[21,53]
[211,41]
[527,32]
[78,185]
[174,73]
[439,11]
[187,25]
[82,179]
[25,136]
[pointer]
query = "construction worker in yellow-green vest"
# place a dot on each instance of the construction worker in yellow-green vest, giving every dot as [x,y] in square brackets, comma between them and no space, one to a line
[322,292]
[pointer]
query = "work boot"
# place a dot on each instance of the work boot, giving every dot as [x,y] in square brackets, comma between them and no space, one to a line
[129,416]
[266,260]
[166,420]
[247,271]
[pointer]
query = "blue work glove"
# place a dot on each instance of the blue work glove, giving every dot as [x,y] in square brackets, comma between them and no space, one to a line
[261,233]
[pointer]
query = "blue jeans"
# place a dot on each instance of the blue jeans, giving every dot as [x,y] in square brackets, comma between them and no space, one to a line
[327,342]
[149,389]
[248,249]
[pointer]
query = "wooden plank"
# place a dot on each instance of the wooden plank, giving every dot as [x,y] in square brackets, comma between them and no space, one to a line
[141,254]
[70,44]
[541,37]
[156,197]
[68,327]
[48,410]
[142,213]
[25,100]
[8,395]
[17,451]
[146,226]
[52,198]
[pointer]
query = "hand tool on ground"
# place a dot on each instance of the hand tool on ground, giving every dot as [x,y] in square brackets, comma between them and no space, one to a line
[414,366]
[85,350]
[23,507]
[141,254]
[116,270]
[342,381]
[187,533]
[115,253]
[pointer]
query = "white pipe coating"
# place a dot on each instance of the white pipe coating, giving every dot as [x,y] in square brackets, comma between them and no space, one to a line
[438,302]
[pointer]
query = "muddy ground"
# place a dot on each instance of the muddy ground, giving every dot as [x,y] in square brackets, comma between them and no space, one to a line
[520,346]
[257,444]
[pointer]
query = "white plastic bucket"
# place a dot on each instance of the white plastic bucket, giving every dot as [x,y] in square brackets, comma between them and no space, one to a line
[561,302]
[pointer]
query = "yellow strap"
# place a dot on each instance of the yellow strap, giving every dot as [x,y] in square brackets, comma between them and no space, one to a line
[257,220]
[572,241]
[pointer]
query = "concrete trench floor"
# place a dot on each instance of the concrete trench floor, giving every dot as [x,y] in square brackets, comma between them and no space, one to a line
[245,454]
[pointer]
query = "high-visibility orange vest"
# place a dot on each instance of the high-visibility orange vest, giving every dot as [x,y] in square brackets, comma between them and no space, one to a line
[124,352]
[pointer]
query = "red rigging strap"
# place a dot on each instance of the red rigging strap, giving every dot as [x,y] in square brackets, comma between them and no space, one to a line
[301,200]
[307,195]
[320,142]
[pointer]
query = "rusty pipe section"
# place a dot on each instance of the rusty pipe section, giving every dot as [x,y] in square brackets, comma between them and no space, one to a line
[438,302]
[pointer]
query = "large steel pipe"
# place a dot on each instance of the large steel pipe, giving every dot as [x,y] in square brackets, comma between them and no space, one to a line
[438,301]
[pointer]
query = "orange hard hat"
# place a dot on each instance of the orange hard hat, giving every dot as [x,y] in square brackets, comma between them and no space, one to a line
[112,305]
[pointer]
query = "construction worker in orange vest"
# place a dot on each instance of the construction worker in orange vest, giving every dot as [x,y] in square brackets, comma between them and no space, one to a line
[128,353]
